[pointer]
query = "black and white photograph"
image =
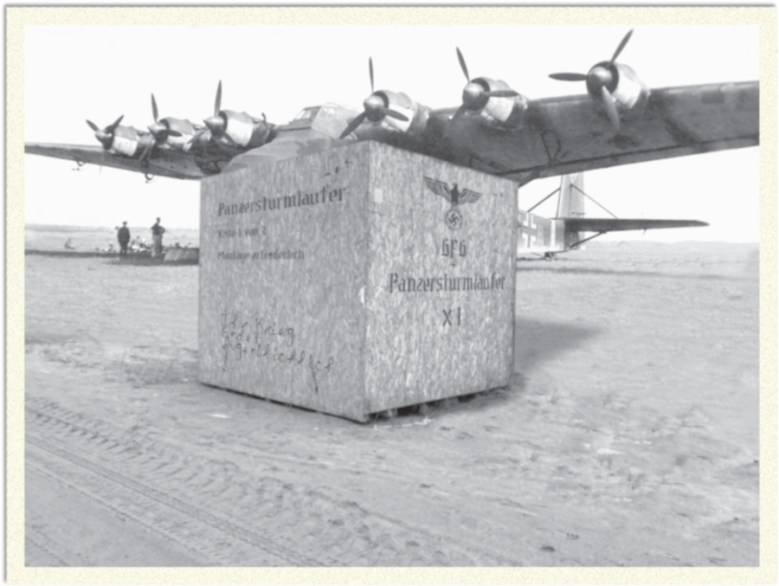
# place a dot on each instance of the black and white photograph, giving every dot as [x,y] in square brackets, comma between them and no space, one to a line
[342,295]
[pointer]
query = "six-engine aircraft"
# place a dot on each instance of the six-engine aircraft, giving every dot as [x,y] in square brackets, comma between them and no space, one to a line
[495,129]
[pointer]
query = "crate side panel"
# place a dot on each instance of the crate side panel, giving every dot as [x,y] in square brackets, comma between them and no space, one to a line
[282,281]
[441,280]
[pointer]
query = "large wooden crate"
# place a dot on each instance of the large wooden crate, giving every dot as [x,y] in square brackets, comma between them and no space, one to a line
[350,282]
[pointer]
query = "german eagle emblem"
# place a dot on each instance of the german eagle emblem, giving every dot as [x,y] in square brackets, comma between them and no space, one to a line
[456,196]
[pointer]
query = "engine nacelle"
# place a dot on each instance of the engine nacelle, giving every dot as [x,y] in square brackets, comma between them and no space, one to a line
[402,104]
[128,142]
[245,131]
[507,112]
[629,92]
[184,127]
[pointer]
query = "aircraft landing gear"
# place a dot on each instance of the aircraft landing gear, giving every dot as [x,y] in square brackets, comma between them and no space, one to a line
[550,256]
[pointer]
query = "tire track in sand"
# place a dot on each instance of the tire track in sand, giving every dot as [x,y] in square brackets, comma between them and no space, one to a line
[136,461]
[35,550]
[126,506]
[163,504]
[330,530]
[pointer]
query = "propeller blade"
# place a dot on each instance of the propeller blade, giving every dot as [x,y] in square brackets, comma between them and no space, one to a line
[230,140]
[112,128]
[622,44]
[393,114]
[457,115]
[569,76]
[462,65]
[370,70]
[449,126]
[154,107]
[218,103]
[611,108]
[93,126]
[501,94]
[354,124]
[175,133]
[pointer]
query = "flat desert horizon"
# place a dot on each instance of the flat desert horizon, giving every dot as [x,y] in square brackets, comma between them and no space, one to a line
[629,435]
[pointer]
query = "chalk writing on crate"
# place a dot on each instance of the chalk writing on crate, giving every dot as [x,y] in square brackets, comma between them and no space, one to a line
[257,339]
[240,232]
[261,255]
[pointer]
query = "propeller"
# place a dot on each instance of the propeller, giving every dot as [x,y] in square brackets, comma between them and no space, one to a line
[106,135]
[158,130]
[375,107]
[601,81]
[476,95]
[215,124]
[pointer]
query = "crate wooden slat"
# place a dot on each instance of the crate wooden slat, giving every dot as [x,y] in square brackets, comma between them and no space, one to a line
[348,283]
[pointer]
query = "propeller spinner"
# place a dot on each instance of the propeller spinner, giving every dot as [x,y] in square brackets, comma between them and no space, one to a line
[159,131]
[216,124]
[601,81]
[375,108]
[106,135]
[476,93]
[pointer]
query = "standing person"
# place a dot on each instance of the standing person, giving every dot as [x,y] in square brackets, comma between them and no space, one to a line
[123,236]
[156,233]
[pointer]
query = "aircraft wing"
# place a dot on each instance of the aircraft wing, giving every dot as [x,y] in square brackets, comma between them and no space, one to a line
[164,163]
[572,134]
[619,224]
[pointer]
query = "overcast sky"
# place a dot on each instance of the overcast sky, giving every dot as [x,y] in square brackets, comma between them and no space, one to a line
[98,73]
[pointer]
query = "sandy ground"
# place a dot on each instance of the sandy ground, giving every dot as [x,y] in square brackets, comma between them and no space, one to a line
[629,435]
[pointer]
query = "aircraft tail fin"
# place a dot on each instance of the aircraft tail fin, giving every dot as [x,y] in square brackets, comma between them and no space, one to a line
[571,201]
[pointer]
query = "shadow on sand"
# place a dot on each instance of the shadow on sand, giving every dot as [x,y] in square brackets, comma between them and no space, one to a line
[537,341]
